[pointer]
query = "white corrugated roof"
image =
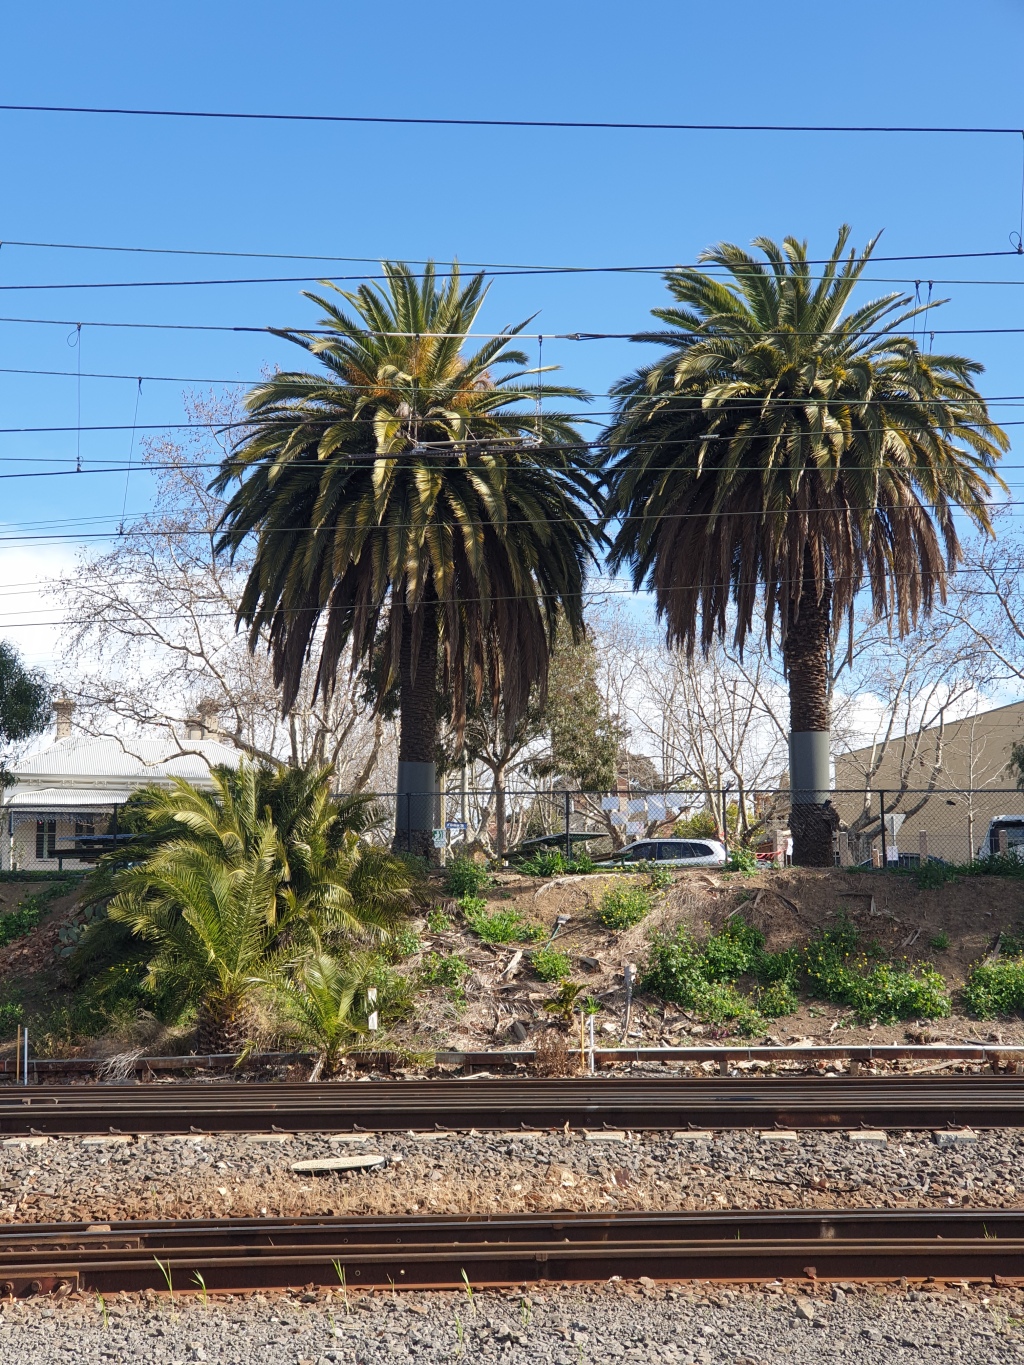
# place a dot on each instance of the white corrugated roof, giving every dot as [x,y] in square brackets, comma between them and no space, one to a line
[90,762]
[67,798]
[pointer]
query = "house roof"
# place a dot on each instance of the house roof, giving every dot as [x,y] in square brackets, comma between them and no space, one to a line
[67,798]
[83,762]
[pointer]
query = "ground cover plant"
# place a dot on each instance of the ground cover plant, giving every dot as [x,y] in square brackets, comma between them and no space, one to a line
[622,907]
[700,975]
[550,964]
[500,926]
[554,863]
[995,988]
[17,923]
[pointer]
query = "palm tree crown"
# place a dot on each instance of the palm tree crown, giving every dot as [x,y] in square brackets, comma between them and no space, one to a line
[404,489]
[781,455]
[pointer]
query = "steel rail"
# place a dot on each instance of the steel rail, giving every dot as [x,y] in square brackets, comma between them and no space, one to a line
[445,1252]
[632,1103]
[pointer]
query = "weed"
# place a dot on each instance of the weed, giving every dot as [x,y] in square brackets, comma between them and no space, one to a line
[838,968]
[995,989]
[339,1270]
[165,1270]
[658,875]
[525,1312]
[448,971]
[939,942]
[551,965]
[741,859]
[405,942]
[463,877]
[553,863]
[196,1275]
[437,921]
[31,910]
[102,1304]
[933,874]
[459,1334]
[622,907]
[504,926]
[11,1015]
[778,1000]
[469,1290]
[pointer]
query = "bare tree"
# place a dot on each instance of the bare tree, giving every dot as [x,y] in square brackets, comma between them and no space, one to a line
[151,639]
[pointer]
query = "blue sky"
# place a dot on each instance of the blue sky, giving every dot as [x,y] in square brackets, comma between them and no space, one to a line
[522,196]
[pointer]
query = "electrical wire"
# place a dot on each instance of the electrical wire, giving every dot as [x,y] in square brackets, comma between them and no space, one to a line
[597,124]
[487,267]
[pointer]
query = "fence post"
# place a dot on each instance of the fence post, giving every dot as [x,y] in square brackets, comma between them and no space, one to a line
[844,848]
[725,819]
[568,823]
[1003,841]
[885,851]
[922,845]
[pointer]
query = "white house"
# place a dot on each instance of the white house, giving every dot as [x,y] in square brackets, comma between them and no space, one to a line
[74,789]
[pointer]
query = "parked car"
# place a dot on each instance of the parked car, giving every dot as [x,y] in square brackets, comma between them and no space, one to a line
[674,852]
[1014,827]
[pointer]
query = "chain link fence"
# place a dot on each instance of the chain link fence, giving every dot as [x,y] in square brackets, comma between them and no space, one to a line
[877,828]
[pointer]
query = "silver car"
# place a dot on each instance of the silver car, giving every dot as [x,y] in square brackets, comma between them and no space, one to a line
[674,852]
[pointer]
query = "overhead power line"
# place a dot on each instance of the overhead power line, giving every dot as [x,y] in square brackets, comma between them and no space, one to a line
[512,337]
[583,124]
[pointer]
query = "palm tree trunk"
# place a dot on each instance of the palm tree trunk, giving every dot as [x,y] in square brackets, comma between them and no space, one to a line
[417,739]
[806,657]
[222,1025]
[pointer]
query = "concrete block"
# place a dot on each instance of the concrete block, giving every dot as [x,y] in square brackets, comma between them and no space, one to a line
[339,1163]
[778,1135]
[692,1135]
[952,1137]
[868,1137]
[268,1137]
[106,1140]
[597,1135]
[25,1141]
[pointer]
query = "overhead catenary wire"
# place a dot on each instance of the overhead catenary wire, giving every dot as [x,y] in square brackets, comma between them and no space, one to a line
[581,124]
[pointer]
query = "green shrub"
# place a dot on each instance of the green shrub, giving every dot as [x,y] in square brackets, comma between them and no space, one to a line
[503,926]
[658,875]
[11,1015]
[550,964]
[446,971]
[18,923]
[933,874]
[733,952]
[783,966]
[403,943]
[995,989]
[622,907]
[553,863]
[839,971]
[741,859]
[437,921]
[703,825]
[463,877]
[940,942]
[778,1000]
[395,993]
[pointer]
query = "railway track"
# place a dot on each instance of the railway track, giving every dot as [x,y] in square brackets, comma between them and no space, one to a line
[629,1103]
[445,1253]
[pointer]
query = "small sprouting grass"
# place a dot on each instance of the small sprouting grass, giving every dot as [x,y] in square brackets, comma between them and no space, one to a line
[198,1277]
[165,1270]
[469,1290]
[339,1270]
[102,1305]
[460,1335]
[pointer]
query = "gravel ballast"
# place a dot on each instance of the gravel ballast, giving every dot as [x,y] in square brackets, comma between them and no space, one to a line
[96,1180]
[682,1325]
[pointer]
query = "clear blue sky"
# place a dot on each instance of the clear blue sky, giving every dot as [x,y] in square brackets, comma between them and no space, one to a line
[570,197]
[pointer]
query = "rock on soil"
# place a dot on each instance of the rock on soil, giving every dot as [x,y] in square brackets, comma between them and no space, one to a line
[678,1325]
[158,1177]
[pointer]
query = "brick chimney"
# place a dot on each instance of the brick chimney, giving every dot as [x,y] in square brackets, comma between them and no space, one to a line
[63,709]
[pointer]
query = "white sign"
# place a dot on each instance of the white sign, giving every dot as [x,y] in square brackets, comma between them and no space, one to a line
[439,838]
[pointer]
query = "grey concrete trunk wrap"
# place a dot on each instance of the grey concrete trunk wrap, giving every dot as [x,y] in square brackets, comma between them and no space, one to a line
[809,766]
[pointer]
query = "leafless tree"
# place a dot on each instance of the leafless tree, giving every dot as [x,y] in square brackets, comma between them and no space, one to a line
[150,633]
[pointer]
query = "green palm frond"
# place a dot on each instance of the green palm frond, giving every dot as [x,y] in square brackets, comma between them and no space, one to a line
[411,471]
[787,443]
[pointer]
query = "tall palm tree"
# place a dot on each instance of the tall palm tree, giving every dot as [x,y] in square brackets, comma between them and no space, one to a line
[782,455]
[410,506]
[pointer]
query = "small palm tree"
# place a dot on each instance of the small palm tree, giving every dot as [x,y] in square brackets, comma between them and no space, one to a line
[322,1003]
[212,920]
[781,456]
[410,507]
